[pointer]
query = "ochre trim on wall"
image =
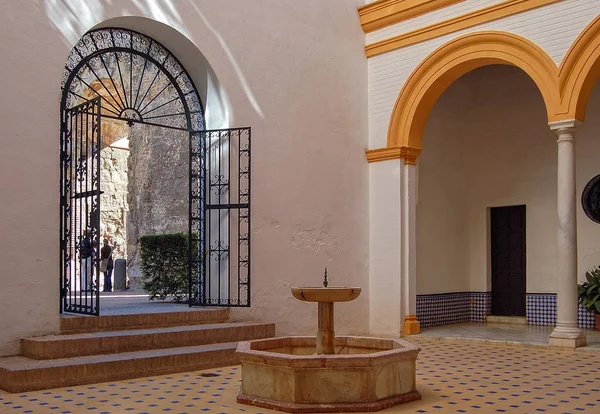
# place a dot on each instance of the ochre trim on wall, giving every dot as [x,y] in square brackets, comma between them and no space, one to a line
[383,154]
[495,12]
[449,62]
[565,90]
[409,154]
[382,13]
[456,58]
[578,73]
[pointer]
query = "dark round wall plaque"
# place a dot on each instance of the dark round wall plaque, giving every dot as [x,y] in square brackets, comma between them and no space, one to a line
[590,199]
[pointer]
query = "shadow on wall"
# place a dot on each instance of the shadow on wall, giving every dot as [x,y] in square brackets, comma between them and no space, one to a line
[163,22]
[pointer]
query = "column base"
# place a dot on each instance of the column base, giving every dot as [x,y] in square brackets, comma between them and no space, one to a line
[411,325]
[567,337]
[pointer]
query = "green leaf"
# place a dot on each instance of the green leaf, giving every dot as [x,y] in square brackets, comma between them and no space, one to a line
[597,307]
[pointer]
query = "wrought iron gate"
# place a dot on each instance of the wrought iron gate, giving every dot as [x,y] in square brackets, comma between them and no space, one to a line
[220,218]
[134,78]
[80,207]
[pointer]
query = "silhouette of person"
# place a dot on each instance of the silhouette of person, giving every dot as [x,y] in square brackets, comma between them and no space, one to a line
[86,257]
[106,265]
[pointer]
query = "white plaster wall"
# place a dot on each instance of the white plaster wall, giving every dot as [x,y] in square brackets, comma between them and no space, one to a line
[554,28]
[433,17]
[443,200]
[284,69]
[487,144]
[385,248]
[587,150]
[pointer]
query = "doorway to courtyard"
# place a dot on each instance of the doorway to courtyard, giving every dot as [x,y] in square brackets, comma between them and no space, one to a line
[508,260]
[136,160]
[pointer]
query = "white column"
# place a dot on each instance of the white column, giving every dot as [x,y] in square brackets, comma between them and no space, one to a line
[411,325]
[385,291]
[567,333]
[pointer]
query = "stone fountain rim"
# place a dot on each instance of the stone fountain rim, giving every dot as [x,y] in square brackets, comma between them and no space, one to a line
[246,354]
[298,293]
[288,407]
[328,287]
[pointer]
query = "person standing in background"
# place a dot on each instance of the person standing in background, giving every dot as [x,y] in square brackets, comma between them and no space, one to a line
[106,265]
[86,256]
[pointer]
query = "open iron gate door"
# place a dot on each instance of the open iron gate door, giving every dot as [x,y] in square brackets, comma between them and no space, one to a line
[220,218]
[80,208]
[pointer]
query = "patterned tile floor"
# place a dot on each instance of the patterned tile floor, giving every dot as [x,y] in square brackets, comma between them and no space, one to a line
[453,376]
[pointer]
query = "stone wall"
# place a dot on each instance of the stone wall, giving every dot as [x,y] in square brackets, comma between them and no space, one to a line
[113,201]
[157,190]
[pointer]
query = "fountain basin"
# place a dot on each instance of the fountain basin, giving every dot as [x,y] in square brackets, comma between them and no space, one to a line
[326,294]
[364,374]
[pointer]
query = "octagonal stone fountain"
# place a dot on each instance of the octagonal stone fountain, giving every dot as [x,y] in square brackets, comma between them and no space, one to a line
[324,373]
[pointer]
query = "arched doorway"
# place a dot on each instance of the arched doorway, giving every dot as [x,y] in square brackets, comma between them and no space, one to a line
[117,76]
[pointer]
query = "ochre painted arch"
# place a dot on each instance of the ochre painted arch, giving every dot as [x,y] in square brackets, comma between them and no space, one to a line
[578,73]
[454,59]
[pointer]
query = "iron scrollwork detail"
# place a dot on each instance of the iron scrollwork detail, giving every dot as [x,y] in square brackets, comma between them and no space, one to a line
[222,189]
[137,79]
[80,207]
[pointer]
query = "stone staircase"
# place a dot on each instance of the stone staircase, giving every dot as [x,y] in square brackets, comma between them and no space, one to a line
[109,348]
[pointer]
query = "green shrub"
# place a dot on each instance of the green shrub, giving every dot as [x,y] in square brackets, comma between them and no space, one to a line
[589,291]
[164,265]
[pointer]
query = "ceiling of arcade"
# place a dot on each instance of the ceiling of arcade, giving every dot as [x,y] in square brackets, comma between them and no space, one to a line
[137,81]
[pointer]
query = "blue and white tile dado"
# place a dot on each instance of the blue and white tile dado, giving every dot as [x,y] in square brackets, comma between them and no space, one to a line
[447,308]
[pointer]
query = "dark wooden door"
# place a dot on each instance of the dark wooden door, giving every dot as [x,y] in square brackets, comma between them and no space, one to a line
[508,261]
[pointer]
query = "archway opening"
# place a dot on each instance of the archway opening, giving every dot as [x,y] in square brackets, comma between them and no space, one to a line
[486,212]
[136,160]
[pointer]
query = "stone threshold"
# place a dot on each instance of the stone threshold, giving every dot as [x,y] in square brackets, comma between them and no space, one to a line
[512,320]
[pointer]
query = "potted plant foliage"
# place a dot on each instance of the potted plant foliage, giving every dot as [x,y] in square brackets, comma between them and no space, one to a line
[589,293]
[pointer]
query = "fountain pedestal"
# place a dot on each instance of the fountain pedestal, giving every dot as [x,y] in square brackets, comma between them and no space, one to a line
[325,333]
[327,374]
[325,297]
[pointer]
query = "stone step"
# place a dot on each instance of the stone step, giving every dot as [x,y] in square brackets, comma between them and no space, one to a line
[110,342]
[77,324]
[21,374]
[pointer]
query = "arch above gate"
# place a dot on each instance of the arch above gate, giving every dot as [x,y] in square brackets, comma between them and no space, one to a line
[136,78]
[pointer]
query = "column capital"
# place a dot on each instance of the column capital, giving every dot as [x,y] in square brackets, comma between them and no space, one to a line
[410,154]
[567,125]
